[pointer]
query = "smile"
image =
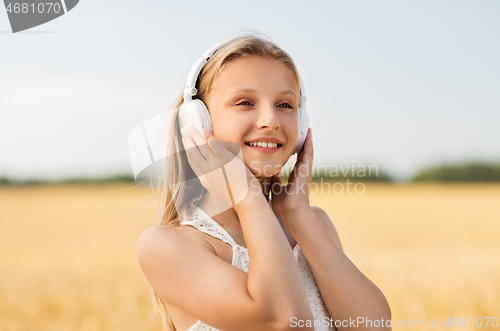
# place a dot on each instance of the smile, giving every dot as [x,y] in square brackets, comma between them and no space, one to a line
[264,147]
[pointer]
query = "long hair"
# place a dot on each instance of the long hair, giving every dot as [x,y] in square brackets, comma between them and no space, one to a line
[177,199]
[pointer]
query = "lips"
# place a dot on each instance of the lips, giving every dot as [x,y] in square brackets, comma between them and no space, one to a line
[266,140]
[264,147]
[263,144]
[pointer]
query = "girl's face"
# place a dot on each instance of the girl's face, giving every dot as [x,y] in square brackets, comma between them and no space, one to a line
[254,99]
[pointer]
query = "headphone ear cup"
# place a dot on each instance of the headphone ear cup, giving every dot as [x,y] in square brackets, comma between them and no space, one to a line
[302,130]
[195,113]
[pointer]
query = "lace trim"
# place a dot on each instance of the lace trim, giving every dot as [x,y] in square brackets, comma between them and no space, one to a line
[200,326]
[203,222]
[201,214]
[206,225]
[316,302]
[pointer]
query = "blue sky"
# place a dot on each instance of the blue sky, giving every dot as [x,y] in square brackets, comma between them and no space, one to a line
[399,84]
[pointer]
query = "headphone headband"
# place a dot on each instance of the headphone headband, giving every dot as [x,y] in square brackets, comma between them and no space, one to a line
[190,88]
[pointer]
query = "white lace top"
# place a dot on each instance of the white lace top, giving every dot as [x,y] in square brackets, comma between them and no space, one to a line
[203,222]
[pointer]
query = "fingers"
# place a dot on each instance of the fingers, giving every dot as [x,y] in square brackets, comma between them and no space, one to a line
[303,165]
[195,158]
[217,148]
[306,155]
[187,141]
[307,149]
[308,146]
[199,138]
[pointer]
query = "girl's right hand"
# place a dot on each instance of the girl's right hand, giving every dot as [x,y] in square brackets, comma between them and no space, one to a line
[219,166]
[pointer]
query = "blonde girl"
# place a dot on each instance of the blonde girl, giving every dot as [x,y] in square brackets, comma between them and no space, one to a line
[260,263]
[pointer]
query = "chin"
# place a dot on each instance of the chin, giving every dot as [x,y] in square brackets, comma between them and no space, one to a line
[264,165]
[266,171]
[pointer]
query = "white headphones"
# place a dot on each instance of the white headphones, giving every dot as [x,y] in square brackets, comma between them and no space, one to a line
[146,146]
[195,112]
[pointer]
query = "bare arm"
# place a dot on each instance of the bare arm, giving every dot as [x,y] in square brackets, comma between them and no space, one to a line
[274,279]
[347,293]
[189,275]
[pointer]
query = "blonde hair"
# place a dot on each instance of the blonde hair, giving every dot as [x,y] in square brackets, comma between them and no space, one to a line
[180,202]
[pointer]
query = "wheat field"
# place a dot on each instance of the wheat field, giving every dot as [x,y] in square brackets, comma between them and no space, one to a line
[67,258]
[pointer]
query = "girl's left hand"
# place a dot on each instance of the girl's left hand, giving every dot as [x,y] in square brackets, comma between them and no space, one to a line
[294,197]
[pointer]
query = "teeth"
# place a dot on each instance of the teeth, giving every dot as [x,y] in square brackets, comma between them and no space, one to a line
[263,144]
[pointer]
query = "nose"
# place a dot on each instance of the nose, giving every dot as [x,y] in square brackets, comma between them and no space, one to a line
[268,119]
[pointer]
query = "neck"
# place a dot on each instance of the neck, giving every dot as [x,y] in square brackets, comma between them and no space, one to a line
[224,214]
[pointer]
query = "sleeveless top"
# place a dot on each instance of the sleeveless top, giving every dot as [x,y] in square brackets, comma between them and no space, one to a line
[203,222]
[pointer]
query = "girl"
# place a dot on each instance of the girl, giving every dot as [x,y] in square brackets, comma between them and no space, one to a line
[260,263]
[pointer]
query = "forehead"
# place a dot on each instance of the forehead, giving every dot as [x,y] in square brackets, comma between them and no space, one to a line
[257,73]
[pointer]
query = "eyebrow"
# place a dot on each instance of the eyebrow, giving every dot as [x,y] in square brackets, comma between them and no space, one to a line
[249,90]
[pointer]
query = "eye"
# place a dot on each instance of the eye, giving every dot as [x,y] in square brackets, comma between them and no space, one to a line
[244,103]
[286,104]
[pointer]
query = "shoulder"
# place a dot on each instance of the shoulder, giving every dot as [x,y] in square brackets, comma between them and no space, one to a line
[328,225]
[157,241]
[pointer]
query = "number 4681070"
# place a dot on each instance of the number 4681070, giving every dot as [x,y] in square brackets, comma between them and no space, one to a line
[40,8]
[480,322]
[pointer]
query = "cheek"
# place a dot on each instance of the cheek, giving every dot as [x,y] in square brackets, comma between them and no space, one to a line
[290,125]
[230,126]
